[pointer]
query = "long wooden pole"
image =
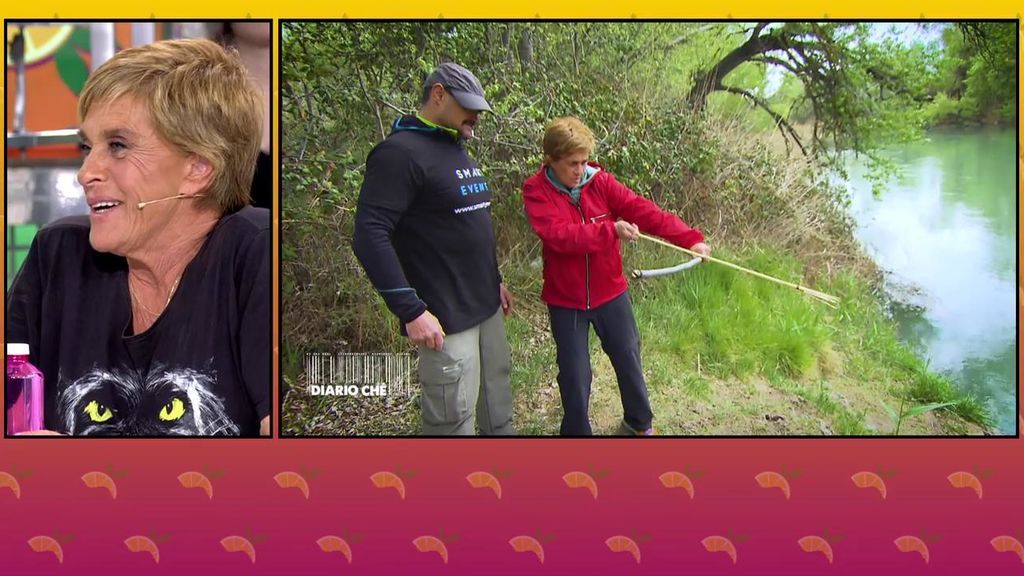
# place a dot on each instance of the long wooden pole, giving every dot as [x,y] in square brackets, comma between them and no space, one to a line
[826,298]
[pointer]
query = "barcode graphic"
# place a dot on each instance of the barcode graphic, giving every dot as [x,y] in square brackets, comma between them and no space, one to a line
[391,371]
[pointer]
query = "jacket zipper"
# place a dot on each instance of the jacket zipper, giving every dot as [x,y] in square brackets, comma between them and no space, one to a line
[587,256]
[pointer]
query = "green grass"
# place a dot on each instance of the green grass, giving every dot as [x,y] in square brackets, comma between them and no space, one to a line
[883,357]
[721,351]
[927,388]
[714,324]
[739,325]
[845,422]
[533,374]
[709,332]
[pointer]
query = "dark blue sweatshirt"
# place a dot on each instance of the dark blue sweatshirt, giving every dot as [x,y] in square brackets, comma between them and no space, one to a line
[423,228]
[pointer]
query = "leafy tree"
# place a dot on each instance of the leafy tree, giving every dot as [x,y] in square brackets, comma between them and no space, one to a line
[977,74]
[862,92]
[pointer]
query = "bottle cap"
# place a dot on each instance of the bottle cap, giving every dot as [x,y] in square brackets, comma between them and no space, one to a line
[17,349]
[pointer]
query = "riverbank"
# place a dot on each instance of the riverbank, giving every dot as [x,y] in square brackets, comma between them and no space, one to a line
[727,354]
[723,353]
[945,234]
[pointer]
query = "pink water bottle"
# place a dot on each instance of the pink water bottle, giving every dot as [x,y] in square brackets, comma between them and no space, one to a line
[23,395]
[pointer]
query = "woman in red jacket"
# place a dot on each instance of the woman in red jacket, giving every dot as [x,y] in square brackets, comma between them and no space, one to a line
[581,212]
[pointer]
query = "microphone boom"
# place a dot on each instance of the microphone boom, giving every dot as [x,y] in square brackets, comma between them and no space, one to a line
[142,205]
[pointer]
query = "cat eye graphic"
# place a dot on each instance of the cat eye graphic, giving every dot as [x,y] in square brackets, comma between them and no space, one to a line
[173,410]
[98,412]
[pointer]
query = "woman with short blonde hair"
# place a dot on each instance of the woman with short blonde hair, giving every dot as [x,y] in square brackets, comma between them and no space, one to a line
[151,316]
[201,101]
[581,213]
[565,136]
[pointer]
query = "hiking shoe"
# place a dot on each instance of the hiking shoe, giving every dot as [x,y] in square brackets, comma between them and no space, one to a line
[627,430]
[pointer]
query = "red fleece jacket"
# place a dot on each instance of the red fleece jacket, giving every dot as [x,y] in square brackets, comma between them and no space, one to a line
[582,261]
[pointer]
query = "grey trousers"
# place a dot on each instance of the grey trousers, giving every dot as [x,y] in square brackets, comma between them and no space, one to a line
[467,382]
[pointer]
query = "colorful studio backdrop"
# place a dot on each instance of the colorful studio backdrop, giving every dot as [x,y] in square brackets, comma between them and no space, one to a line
[475,506]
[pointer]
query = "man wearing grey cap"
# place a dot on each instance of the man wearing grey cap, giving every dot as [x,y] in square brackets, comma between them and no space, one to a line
[423,235]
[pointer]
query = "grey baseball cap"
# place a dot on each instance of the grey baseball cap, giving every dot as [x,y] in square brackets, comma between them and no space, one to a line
[461,83]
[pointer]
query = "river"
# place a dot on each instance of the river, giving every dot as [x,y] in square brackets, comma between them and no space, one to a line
[945,233]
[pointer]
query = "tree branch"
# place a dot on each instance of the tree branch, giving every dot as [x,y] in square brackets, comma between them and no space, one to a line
[777,62]
[393,107]
[708,79]
[371,103]
[781,122]
[757,29]
[512,144]
[684,38]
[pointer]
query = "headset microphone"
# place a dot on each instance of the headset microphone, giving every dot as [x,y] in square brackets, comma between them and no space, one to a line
[142,205]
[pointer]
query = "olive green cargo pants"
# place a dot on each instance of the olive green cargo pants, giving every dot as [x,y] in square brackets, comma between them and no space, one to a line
[466,383]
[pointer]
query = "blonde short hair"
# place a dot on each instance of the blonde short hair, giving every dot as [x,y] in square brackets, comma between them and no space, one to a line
[201,101]
[566,135]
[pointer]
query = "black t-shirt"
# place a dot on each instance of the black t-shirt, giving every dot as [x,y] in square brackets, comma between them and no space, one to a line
[203,368]
[423,228]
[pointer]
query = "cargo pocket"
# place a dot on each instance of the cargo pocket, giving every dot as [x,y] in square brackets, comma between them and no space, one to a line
[442,396]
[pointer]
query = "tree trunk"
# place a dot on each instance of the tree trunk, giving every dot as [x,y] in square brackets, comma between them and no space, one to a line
[420,33]
[526,49]
[506,44]
[490,37]
[711,79]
